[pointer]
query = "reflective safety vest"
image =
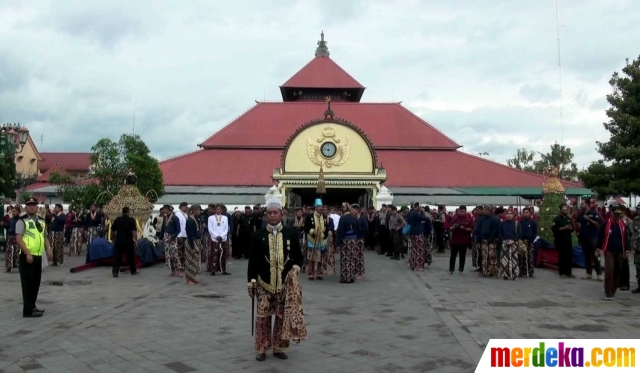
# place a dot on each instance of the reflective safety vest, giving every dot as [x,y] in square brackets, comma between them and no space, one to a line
[33,239]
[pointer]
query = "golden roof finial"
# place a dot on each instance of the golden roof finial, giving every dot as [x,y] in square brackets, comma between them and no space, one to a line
[327,98]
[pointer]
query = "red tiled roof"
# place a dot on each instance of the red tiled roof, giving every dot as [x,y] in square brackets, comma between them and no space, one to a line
[35,186]
[223,167]
[68,161]
[322,72]
[388,125]
[453,169]
[405,168]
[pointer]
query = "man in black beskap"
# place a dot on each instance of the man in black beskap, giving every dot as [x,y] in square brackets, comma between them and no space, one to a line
[590,222]
[614,243]
[562,228]
[125,237]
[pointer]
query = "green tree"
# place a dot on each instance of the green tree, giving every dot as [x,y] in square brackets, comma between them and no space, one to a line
[561,157]
[110,163]
[622,150]
[598,177]
[523,160]
[8,178]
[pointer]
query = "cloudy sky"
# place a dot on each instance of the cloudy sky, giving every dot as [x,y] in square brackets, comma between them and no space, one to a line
[485,72]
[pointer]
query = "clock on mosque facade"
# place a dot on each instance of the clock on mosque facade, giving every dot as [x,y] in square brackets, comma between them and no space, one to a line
[328,150]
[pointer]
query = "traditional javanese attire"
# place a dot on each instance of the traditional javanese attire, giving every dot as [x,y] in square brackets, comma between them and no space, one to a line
[218,226]
[347,240]
[205,237]
[329,255]
[77,231]
[316,229]
[56,230]
[509,235]
[170,231]
[363,226]
[192,250]
[182,236]
[91,223]
[487,232]
[274,264]
[528,234]
[417,256]
[13,251]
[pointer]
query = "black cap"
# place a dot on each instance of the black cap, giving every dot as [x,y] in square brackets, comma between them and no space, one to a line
[31,201]
[183,204]
[462,207]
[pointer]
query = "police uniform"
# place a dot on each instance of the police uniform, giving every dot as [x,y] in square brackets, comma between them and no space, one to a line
[33,233]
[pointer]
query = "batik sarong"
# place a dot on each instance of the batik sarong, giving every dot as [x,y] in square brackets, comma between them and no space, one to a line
[476,256]
[270,304]
[92,232]
[526,261]
[417,253]
[347,259]
[171,253]
[217,258]
[509,260]
[359,257]
[57,246]
[489,259]
[180,241]
[329,256]
[293,320]
[75,246]
[192,260]
[205,242]
[11,255]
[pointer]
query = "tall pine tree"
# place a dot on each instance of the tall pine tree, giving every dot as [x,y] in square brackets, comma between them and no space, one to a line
[622,152]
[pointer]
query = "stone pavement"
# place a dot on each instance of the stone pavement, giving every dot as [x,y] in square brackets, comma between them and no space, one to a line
[392,321]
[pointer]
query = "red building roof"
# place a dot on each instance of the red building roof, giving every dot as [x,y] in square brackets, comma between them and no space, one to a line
[68,161]
[224,167]
[322,72]
[405,168]
[388,125]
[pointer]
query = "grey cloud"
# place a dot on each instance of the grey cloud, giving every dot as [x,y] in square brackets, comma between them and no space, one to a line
[13,77]
[106,24]
[599,104]
[539,93]
[195,68]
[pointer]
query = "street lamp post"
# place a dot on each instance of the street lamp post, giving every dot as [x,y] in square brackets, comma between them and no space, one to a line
[13,138]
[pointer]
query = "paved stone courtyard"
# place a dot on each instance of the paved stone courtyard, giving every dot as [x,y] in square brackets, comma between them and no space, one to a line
[392,321]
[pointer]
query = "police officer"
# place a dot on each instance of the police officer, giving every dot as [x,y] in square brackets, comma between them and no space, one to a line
[32,240]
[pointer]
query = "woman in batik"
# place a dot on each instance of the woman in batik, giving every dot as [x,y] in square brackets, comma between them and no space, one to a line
[363,224]
[77,232]
[192,246]
[415,221]
[11,255]
[347,241]
[509,234]
[170,231]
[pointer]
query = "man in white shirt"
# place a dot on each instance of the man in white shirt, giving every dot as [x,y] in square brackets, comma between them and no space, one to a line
[182,236]
[218,226]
